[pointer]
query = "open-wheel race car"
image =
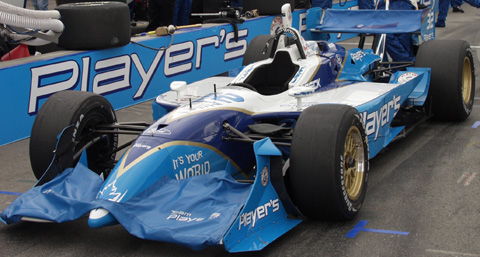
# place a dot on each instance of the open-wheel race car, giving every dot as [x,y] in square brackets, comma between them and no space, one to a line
[240,161]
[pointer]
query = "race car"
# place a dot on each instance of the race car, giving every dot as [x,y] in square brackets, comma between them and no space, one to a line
[240,161]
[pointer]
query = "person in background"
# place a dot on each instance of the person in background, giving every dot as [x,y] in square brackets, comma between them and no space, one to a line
[366,4]
[457,6]
[131,7]
[236,3]
[324,4]
[161,13]
[444,5]
[183,8]
[474,3]
[40,4]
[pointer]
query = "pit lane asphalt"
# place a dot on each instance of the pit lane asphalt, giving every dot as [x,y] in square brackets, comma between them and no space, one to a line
[426,185]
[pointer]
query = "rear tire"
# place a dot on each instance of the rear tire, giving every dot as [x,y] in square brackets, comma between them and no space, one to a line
[452,83]
[329,162]
[255,49]
[83,110]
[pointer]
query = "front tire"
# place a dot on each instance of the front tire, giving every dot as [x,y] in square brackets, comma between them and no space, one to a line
[329,162]
[452,83]
[80,112]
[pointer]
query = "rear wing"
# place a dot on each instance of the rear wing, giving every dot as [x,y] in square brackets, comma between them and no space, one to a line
[372,22]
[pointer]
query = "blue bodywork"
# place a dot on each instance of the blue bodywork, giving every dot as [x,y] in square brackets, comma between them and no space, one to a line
[378,115]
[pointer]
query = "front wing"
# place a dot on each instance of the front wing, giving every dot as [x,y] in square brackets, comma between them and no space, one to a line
[212,209]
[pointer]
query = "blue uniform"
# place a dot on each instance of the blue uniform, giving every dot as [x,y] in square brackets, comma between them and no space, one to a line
[366,4]
[40,4]
[444,5]
[183,8]
[324,4]
[456,3]
[474,3]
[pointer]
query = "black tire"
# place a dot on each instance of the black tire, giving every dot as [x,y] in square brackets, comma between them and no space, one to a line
[452,83]
[255,49]
[94,25]
[83,110]
[329,162]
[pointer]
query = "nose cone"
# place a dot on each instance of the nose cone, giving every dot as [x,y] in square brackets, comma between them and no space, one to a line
[101,218]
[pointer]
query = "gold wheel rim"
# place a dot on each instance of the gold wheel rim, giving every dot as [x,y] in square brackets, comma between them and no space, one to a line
[354,163]
[467,80]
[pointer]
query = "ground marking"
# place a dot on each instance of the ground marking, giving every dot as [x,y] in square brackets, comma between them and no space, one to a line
[9,193]
[462,177]
[476,124]
[466,178]
[452,253]
[361,227]
[475,47]
[475,144]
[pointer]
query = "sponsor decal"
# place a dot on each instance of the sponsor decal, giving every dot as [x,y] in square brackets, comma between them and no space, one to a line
[214,215]
[49,191]
[139,145]
[313,84]
[77,125]
[245,72]
[276,24]
[298,75]
[114,74]
[376,120]
[264,176]
[305,89]
[358,56]
[405,77]
[430,20]
[162,131]
[293,32]
[115,196]
[262,211]
[344,189]
[223,98]
[339,60]
[183,217]
[195,165]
